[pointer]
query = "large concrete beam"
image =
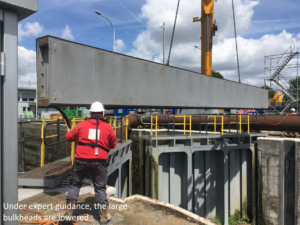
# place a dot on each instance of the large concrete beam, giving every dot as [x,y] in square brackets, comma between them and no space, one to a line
[72,74]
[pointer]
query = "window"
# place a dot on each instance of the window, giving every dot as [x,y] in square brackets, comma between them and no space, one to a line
[28,109]
[18,98]
[24,99]
[24,109]
[31,99]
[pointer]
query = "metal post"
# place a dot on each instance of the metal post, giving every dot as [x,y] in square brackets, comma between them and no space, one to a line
[168,124]
[173,125]
[9,115]
[126,127]
[190,125]
[206,124]
[297,85]
[112,28]
[215,124]
[57,138]
[237,124]
[200,124]
[42,144]
[222,125]
[156,119]
[184,124]
[229,123]
[121,134]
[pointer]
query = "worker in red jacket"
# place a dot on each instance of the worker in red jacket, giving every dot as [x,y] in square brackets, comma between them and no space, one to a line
[95,138]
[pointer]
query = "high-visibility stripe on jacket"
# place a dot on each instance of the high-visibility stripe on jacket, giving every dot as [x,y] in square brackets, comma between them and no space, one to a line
[85,132]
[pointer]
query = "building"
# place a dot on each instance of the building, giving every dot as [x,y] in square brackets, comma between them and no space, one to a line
[27,105]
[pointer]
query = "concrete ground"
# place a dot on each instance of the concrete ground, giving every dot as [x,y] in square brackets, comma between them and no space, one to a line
[135,212]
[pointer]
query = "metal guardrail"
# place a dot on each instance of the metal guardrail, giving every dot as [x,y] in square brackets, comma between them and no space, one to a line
[238,123]
[113,121]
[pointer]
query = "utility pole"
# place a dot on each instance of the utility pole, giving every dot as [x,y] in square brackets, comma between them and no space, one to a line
[163,27]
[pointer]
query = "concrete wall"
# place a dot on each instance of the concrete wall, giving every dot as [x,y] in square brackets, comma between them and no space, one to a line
[278,183]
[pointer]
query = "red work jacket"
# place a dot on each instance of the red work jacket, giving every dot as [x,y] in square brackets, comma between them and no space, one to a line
[85,132]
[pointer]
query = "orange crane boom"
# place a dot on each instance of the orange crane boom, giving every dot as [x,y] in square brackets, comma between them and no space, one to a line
[208,29]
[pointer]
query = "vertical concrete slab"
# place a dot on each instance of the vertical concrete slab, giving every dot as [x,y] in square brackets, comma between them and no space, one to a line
[235,180]
[164,177]
[178,178]
[199,183]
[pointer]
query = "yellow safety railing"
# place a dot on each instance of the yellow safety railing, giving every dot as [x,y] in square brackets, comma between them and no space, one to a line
[74,121]
[240,123]
[42,163]
[151,122]
[214,123]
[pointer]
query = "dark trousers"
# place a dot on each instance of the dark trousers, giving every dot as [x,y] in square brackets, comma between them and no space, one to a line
[97,169]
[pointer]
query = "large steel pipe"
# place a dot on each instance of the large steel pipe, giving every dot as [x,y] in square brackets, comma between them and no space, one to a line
[270,123]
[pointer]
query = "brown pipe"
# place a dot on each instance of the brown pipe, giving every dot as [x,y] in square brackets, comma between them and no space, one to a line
[269,123]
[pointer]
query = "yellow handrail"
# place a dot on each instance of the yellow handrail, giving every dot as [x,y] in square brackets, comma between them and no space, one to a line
[184,125]
[190,125]
[43,144]
[156,126]
[248,124]
[151,124]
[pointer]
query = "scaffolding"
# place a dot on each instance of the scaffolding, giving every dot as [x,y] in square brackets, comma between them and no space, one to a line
[279,80]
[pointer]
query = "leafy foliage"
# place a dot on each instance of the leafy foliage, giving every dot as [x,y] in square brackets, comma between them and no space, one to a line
[237,219]
[271,91]
[216,220]
[293,89]
[217,74]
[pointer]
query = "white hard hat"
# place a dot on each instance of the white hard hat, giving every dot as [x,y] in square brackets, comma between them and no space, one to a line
[97,107]
[292,109]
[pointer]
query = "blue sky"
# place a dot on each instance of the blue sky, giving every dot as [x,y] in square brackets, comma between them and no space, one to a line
[263,27]
[86,26]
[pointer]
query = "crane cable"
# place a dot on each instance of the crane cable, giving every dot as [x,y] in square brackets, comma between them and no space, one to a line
[236,45]
[167,64]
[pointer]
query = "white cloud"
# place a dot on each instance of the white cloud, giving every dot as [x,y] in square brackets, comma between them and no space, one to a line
[30,29]
[26,67]
[148,44]
[119,45]
[66,34]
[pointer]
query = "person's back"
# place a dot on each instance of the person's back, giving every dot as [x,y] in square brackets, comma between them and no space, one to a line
[95,138]
[85,132]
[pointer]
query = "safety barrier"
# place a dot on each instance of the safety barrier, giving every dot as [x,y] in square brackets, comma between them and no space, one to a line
[238,122]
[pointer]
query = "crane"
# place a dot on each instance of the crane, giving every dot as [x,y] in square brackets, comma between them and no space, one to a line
[208,30]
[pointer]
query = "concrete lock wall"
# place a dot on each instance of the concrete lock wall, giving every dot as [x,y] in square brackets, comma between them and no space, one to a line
[205,176]
[278,181]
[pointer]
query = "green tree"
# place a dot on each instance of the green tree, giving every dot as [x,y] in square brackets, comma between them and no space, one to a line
[217,74]
[271,91]
[292,89]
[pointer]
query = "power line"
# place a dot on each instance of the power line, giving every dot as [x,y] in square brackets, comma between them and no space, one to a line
[237,54]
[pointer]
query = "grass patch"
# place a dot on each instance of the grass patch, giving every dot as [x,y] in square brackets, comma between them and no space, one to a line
[216,220]
[237,219]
